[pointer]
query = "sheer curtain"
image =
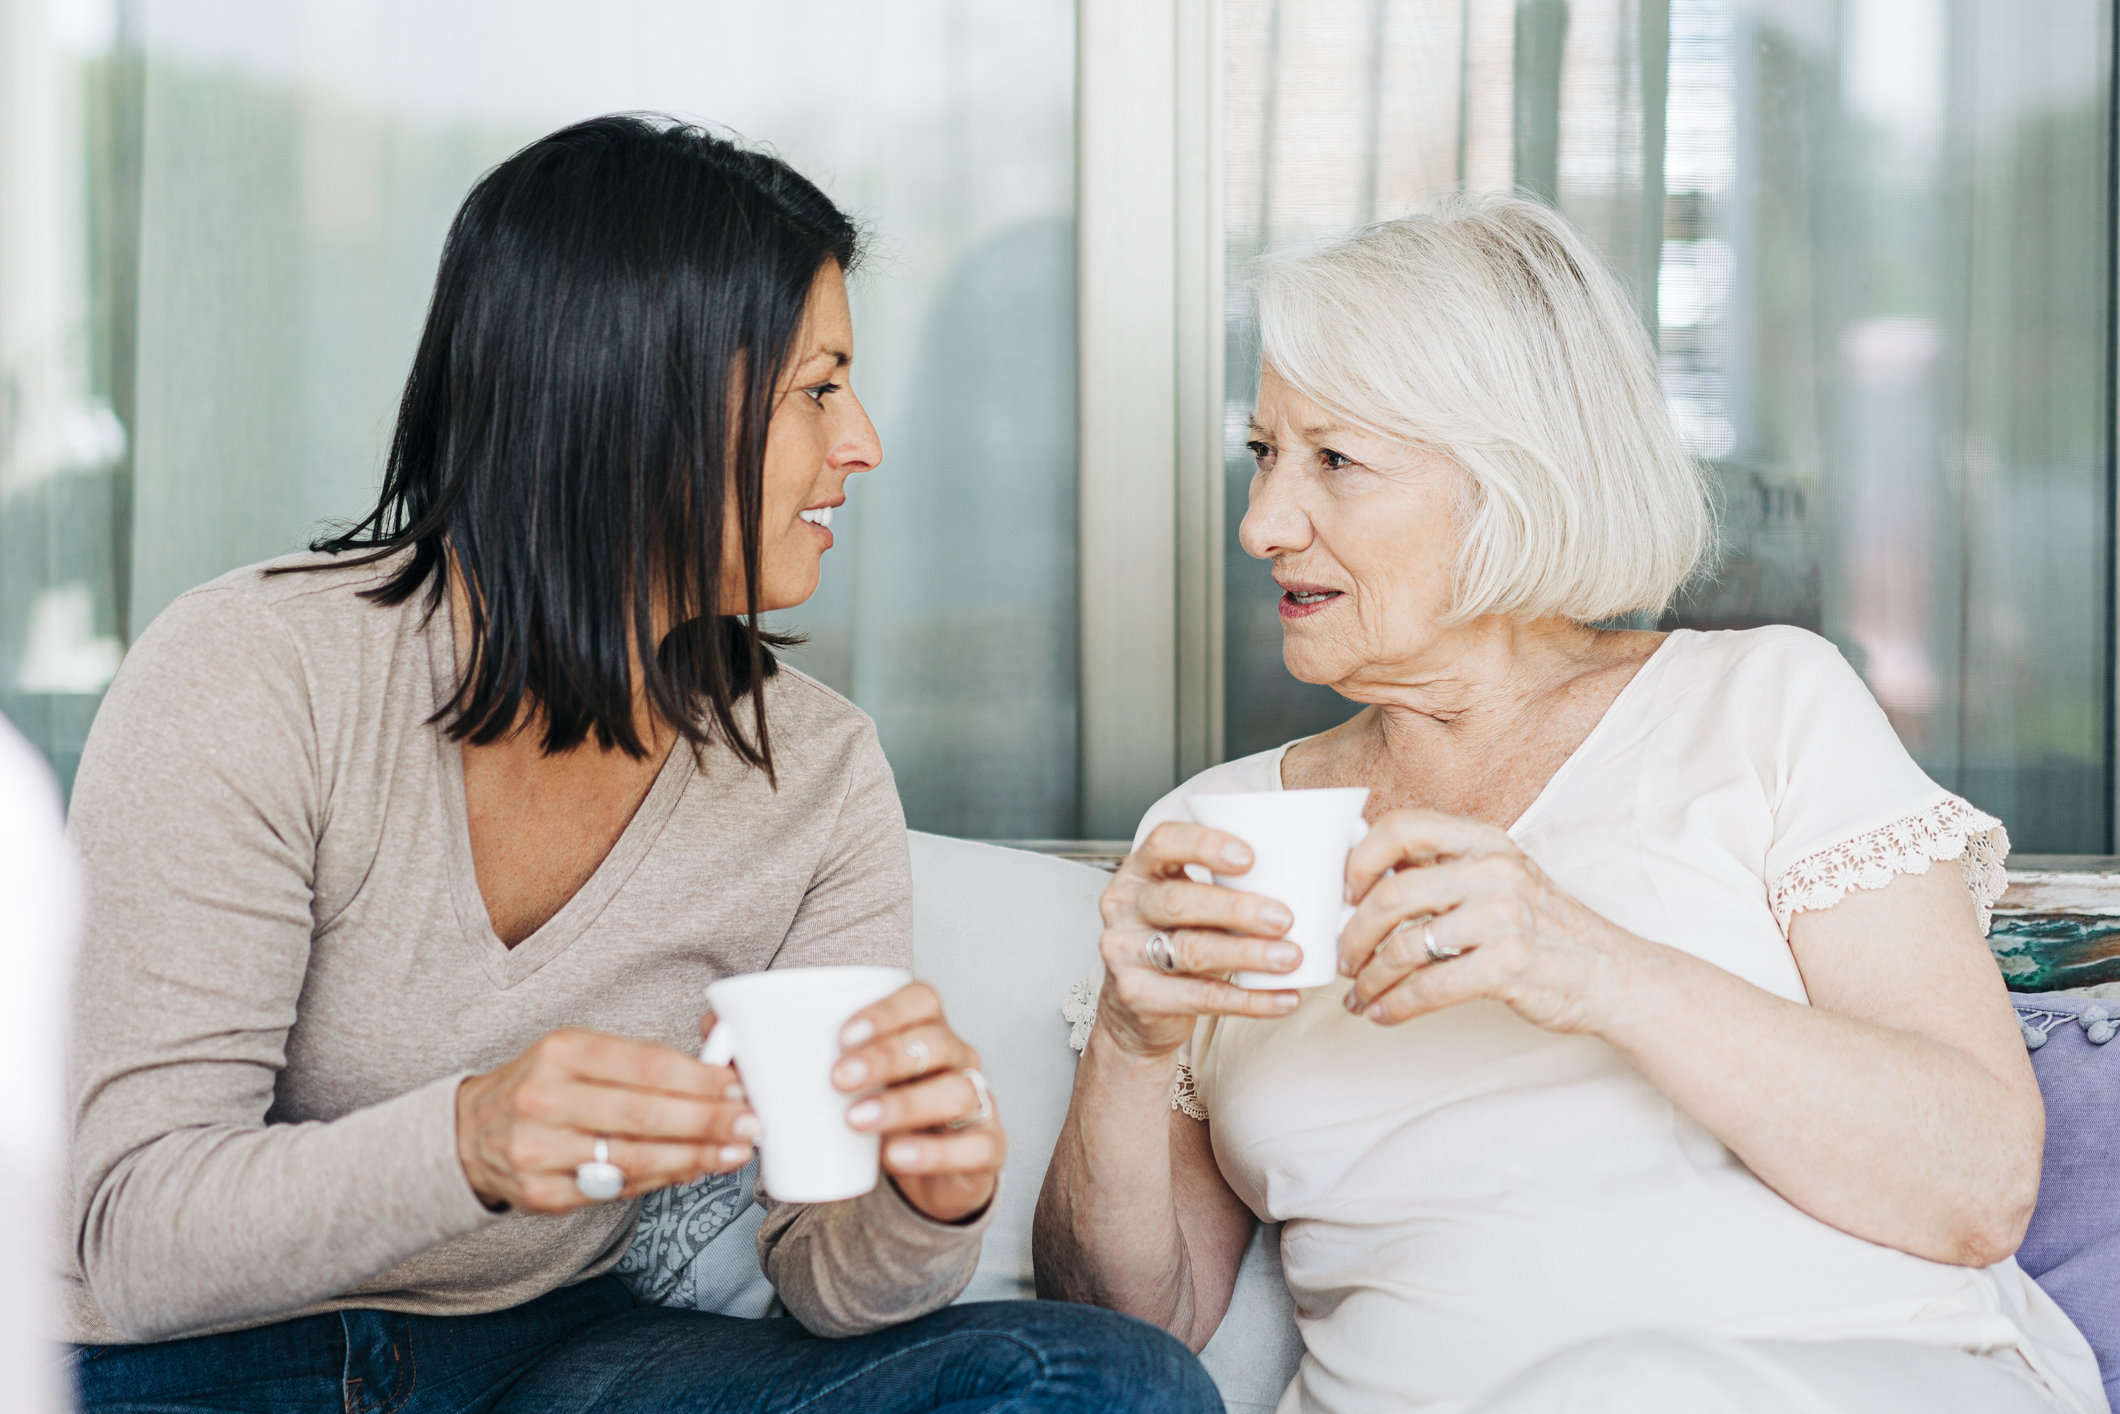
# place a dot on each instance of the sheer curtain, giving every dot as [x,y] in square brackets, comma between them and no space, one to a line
[294,164]
[1872,240]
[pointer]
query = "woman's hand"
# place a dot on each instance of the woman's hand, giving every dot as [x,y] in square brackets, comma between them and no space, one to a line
[1213,931]
[942,1139]
[668,1119]
[1521,940]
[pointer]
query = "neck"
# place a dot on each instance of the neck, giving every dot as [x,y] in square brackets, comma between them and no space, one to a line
[528,729]
[1474,681]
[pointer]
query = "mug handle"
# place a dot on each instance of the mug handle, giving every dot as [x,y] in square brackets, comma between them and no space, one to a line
[720,1048]
[1359,833]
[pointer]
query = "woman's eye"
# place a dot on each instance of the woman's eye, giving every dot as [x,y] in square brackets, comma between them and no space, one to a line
[1259,451]
[1332,460]
[818,393]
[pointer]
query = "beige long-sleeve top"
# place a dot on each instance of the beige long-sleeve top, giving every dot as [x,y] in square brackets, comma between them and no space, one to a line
[287,968]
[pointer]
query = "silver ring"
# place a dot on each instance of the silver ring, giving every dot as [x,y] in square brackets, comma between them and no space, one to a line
[916,1051]
[1428,945]
[985,1111]
[1161,955]
[600,1180]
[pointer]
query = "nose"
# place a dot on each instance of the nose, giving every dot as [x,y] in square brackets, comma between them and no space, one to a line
[856,448]
[1275,523]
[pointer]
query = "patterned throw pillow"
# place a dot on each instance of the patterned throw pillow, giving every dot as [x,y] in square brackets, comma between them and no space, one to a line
[674,1258]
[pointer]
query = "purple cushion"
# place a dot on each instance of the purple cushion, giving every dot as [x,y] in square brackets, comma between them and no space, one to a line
[2073,1246]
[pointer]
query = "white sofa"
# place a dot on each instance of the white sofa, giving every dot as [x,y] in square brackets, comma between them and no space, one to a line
[1003,934]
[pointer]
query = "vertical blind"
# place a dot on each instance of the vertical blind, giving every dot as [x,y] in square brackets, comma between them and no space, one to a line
[1872,239]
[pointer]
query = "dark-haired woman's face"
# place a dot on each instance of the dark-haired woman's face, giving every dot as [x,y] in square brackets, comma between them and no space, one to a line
[819,436]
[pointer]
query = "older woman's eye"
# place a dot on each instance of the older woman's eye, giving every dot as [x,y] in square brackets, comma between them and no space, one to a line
[1332,460]
[1259,450]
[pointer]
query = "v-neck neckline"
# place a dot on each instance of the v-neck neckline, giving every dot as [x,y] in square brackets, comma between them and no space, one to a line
[505,965]
[1582,748]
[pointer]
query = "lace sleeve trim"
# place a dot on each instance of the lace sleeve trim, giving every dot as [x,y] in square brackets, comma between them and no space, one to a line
[1949,829]
[1080,1014]
[1183,1097]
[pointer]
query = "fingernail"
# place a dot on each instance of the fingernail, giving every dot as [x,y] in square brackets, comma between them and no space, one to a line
[734,1092]
[1234,853]
[851,1072]
[1275,916]
[1283,955]
[1286,1001]
[856,1033]
[1376,1013]
[867,1112]
[735,1154]
[749,1127]
[1352,1001]
[904,1155]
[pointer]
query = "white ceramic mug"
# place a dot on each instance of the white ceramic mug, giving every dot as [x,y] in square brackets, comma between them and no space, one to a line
[1299,841]
[782,1029]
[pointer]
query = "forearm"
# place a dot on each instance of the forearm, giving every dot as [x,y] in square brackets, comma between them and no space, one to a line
[1107,1231]
[202,1228]
[1887,1134]
[856,1266]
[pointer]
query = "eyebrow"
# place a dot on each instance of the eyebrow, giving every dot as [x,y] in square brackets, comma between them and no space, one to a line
[840,357]
[1312,435]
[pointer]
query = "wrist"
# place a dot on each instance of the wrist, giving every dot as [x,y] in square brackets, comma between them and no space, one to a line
[1634,979]
[467,1156]
[1131,1058]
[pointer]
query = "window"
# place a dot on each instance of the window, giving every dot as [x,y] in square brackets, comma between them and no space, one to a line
[235,212]
[1873,240]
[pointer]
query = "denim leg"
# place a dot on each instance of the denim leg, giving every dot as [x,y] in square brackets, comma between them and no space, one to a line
[995,1357]
[342,1362]
[292,1366]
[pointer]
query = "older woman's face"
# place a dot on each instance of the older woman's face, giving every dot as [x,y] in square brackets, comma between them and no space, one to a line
[1363,536]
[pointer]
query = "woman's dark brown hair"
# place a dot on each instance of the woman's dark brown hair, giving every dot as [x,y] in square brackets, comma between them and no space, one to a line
[615,309]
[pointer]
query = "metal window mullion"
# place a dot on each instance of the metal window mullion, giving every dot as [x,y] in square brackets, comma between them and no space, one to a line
[1126,308]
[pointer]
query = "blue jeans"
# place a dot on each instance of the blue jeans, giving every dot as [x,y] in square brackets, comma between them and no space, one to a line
[589,1349]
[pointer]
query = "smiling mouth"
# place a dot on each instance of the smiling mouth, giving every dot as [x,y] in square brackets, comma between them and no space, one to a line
[820,517]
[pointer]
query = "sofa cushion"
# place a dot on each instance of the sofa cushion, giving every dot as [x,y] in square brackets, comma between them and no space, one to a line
[1002,933]
[2072,1248]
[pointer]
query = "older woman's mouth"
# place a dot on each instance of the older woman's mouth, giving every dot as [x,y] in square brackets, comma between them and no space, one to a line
[1302,600]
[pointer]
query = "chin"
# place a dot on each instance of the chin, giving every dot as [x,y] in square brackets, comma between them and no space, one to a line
[1306,664]
[787,592]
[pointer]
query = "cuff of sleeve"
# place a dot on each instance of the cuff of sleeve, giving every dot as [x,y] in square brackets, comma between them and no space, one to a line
[424,1187]
[894,1215]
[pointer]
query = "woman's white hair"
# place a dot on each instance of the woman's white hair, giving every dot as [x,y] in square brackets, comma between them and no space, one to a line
[1486,328]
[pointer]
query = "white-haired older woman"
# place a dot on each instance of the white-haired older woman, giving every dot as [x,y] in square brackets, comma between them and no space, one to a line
[1670,1075]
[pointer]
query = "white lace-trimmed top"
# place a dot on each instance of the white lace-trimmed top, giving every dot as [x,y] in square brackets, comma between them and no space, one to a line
[1465,1193]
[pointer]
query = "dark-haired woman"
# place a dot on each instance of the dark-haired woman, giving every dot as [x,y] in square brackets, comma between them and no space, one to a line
[408,861]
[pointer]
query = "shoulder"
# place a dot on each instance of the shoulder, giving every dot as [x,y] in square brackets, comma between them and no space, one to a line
[1770,685]
[1260,771]
[817,729]
[1758,656]
[291,602]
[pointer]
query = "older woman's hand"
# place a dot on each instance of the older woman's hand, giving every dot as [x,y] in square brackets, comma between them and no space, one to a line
[1213,931]
[1520,940]
[942,1140]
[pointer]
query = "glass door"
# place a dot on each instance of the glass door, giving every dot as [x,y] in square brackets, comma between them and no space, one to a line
[224,220]
[1873,241]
